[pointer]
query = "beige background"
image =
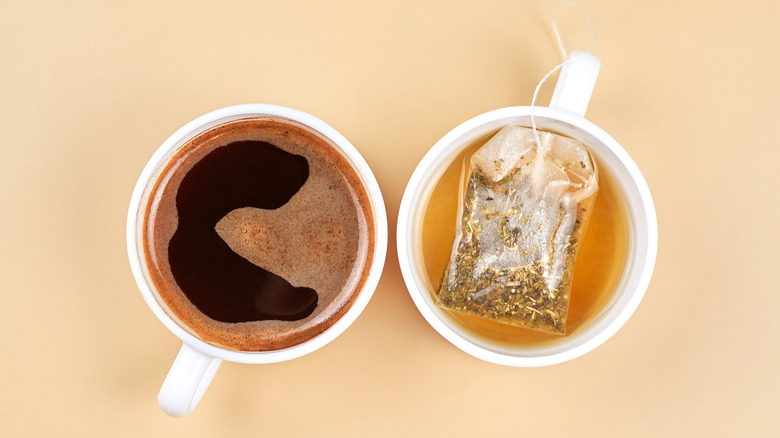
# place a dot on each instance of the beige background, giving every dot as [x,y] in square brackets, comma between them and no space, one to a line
[89,90]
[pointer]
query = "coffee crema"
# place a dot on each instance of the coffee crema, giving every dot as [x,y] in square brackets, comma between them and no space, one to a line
[258,234]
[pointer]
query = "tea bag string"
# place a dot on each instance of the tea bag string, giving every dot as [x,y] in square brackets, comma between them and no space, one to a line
[559,66]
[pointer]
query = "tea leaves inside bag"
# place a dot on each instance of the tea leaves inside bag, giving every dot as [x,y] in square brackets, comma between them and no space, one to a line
[524,209]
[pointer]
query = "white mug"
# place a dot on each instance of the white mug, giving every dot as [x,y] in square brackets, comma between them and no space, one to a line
[565,116]
[197,360]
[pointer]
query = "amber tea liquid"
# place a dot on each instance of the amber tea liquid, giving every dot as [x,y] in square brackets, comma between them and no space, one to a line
[597,272]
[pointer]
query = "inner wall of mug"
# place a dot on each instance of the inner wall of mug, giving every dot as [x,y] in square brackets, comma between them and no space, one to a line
[637,239]
[158,163]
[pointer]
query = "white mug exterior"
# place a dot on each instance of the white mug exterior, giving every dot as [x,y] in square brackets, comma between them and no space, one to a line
[566,119]
[198,361]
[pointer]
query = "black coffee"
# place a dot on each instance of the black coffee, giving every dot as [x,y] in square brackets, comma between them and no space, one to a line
[242,174]
[258,234]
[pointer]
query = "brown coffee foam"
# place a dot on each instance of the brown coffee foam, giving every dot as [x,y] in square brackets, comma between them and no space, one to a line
[307,241]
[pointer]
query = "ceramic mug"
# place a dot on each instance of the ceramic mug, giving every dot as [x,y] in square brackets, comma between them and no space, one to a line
[198,361]
[565,115]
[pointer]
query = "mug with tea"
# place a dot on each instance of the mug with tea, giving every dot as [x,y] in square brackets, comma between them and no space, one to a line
[256,234]
[527,236]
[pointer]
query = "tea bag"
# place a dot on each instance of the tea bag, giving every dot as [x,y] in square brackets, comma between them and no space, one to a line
[523,211]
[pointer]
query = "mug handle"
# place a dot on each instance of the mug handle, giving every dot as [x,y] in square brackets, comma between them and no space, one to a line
[187,381]
[575,83]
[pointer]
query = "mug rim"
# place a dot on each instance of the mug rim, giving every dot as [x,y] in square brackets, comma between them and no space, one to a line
[413,197]
[376,201]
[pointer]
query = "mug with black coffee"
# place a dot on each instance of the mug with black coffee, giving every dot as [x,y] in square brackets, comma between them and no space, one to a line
[257,234]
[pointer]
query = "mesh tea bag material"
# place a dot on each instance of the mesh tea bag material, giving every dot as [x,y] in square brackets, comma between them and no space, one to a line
[523,211]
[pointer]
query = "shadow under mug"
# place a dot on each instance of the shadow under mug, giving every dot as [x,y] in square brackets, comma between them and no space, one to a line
[564,116]
[198,361]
